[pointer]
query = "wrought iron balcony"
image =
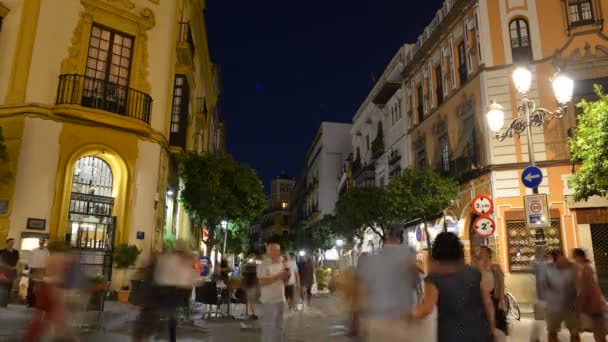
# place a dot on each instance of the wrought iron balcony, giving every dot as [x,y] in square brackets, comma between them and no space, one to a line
[100,94]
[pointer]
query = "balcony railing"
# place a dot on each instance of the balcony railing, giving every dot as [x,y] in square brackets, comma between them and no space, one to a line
[104,95]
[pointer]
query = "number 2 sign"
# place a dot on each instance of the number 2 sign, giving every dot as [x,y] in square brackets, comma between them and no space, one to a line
[484,227]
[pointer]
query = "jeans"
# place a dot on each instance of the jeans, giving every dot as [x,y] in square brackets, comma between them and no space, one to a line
[272,322]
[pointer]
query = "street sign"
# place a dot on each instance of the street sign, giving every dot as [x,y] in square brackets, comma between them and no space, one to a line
[482,205]
[418,234]
[205,265]
[537,211]
[484,227]
[532,177]
[140,235]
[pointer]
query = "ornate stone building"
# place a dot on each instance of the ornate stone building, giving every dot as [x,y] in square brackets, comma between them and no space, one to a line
[96,98]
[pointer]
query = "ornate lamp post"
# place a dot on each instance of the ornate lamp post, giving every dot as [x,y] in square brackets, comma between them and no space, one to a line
[528,114]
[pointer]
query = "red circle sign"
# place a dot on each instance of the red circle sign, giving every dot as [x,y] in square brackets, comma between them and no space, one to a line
[484,227]
[536,207]
[482,205]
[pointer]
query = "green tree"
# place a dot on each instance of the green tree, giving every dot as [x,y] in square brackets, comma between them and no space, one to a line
[421,194]
[362,208]
[589,146]
[318,236]
[217,188]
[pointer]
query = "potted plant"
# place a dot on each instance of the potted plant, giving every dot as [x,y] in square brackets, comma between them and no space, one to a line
[98,283]
[125,256]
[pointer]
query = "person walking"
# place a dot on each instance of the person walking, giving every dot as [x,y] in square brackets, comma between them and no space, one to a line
[465,312]
[9,257]
[271,277]
[562,297]
[252,289]
[539,269]
[494,279]
[306,271]
[175,277]
[591,300]
[387,290]
[37,266]
[293,283]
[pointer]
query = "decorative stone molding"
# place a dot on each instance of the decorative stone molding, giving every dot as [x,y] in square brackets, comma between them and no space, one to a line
[116,14]
[125,4]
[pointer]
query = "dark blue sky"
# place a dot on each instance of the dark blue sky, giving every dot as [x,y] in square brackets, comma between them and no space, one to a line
[287,65]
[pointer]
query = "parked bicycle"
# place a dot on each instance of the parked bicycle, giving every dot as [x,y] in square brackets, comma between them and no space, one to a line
[513,311]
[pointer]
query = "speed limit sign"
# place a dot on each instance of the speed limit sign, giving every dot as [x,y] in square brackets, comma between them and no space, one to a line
[482,205]
[484,227]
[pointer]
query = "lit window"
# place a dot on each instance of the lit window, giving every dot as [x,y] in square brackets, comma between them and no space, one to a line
[284,205]
[580,12]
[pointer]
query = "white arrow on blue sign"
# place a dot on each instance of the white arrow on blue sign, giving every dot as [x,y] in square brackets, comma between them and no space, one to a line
[532,177]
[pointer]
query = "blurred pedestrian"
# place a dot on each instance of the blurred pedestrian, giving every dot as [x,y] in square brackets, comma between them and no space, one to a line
[293,283]
[465,312]
[175,277]
[147,321]
[539,268]
[494,279]
[387,286]
[562,296]
[252,288]
[37,266]
[50,313]
[591,300]
[306,271]
[9,257]
[272,276]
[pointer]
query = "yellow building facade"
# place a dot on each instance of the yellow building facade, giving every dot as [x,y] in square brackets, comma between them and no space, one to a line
[96,99]
[462,62]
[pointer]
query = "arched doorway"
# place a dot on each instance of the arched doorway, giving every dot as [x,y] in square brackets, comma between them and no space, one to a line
[91,225]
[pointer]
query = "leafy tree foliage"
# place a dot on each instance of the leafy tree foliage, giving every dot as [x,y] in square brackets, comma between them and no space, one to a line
[415,194]
[319,236]
[362,208]
[217,188]
[421,193]
[589,146]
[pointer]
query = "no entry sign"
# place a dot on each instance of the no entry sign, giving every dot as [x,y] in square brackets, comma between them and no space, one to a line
[484,227]
[482,205]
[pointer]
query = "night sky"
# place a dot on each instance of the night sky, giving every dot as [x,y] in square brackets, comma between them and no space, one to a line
[288,65]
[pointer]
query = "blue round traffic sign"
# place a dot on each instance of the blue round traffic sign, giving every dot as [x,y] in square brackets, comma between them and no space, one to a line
[532,177]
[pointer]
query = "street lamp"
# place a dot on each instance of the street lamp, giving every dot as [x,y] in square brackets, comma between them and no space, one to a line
[528,114]
[224,224]
[302,253]
[339,243]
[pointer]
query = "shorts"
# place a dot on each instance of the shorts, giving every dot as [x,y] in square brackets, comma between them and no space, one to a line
[290,291]
[253,295]
[554,321]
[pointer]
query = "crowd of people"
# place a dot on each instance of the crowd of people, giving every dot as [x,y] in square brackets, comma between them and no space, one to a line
[391,297]
[463,302]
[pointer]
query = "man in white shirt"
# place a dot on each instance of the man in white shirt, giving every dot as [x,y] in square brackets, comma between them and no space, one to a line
[37,266]
[271,277]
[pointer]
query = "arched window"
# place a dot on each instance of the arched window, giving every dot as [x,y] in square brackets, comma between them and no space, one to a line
[521,48]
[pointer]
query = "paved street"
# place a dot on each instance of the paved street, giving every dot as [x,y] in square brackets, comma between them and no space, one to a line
[322,322]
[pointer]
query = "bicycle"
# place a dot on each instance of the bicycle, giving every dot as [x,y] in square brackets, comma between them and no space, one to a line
[512,307]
